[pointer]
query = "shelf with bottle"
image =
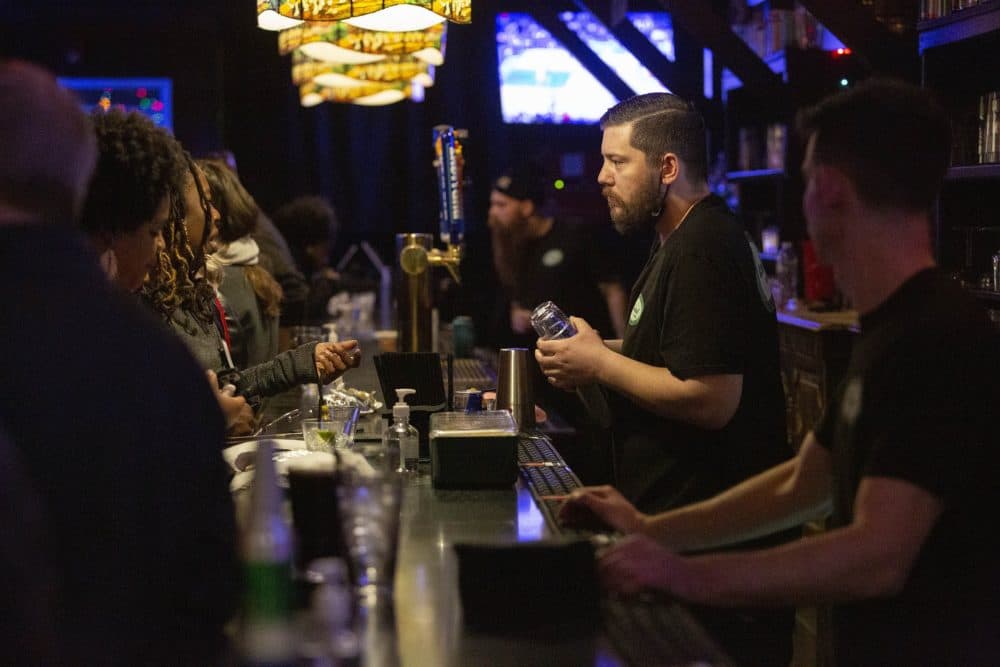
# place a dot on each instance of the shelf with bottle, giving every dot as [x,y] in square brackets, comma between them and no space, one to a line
[965,20]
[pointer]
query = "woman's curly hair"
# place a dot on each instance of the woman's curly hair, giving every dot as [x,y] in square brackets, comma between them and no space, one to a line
[138,165]
[178,281]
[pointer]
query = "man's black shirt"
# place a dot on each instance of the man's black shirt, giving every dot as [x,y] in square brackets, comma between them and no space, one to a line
[919,404]
[566,266]
[701,307]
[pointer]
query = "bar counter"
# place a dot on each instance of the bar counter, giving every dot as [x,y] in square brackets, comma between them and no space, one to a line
[428,627]
[423,623]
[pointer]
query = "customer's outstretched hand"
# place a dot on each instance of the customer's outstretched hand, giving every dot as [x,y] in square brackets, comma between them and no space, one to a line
[334,359]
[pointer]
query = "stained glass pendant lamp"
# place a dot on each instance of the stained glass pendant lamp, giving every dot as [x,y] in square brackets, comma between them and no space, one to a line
[365,94]
[385,15]
[391,70]
[340,42]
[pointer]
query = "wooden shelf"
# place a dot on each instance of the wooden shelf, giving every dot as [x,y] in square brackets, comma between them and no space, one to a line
[957,26]
[973,172]
[755,175]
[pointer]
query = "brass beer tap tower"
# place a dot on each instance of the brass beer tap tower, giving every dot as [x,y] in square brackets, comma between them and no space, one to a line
[417,254]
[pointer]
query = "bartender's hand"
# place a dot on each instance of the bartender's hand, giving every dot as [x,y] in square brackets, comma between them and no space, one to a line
[238,413]
[572,362]
[639,563]
[592,505]
[333,359]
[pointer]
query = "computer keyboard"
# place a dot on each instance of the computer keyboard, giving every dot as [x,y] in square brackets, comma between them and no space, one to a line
[469,374]
[548,478]
[536,448]
[642,630]
[650,630]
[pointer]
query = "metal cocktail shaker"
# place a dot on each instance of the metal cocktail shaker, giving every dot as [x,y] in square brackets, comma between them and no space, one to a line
[514,391]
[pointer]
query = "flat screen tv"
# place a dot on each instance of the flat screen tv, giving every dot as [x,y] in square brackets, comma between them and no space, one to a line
[150,96]
[542,82]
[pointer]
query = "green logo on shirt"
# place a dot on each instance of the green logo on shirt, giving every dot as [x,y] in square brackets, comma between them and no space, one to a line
[553,257]
[636,315]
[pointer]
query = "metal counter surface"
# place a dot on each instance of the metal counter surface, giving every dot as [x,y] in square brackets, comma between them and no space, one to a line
[424,625]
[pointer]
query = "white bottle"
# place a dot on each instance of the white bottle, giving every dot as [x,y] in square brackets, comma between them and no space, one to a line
[401,439]
[786,269]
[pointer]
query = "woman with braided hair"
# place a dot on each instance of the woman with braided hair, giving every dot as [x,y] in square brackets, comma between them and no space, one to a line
[149,213]
[179,290]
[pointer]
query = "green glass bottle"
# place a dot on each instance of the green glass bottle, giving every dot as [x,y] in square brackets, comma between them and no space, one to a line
[267,635]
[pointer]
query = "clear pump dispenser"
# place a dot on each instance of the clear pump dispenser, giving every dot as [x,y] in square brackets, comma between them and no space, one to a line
[401,439]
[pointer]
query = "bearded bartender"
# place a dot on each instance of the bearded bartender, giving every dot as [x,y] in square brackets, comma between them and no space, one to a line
[694,385]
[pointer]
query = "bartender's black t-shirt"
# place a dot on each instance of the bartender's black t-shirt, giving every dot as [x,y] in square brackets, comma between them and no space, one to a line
[919,403]
[701,307]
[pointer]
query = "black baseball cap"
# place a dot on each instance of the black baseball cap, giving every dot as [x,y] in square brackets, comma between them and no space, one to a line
[525,181]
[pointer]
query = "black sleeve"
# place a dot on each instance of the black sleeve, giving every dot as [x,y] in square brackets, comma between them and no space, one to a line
[704,318]
[285,371]
[936,435]
[201,512]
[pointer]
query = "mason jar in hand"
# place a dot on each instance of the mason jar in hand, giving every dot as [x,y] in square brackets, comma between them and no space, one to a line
[551,323]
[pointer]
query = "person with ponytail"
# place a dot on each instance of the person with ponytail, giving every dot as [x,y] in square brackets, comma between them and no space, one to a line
[250,296]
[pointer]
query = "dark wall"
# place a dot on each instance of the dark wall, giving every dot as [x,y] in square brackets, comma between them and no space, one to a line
[233,90]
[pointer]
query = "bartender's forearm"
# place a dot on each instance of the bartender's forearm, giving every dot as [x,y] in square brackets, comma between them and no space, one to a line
[784,496]
[615,345]
[708,401]
[871,557]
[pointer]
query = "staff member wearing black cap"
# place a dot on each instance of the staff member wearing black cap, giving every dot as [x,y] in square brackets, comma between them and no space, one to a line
[541,258]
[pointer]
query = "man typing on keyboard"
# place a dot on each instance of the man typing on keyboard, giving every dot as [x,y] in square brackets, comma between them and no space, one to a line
[905,457]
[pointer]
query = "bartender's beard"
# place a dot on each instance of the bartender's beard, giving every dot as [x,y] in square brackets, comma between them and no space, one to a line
[641,213]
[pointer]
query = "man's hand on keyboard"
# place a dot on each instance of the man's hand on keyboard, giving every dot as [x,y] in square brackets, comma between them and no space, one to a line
[638,563]
[603,506]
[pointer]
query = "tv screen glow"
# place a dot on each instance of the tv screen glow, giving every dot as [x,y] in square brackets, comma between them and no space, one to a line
[150,96]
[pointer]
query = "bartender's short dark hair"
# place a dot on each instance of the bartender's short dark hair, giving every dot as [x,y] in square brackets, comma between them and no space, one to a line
[663,123]
[892,139]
